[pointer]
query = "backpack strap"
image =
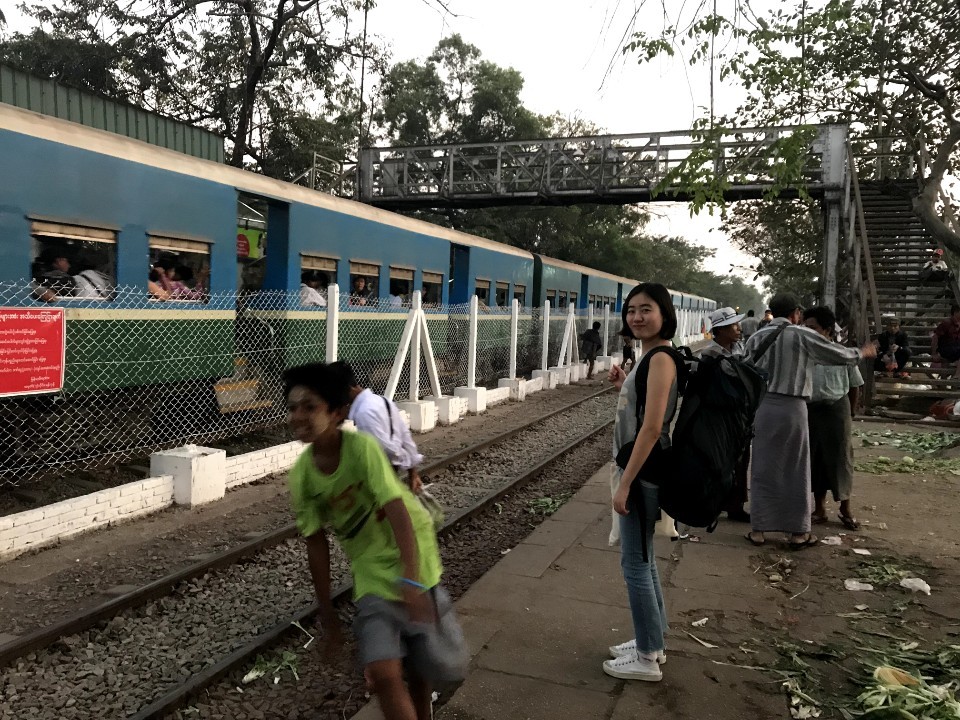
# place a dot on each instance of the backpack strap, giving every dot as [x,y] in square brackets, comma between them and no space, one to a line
[643,372]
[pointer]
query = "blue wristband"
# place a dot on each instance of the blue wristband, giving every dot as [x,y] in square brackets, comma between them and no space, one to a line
[414,583]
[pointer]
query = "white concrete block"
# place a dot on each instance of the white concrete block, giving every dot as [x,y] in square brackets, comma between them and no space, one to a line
[448,408]
[199,473]
[576,372]
[547,378]
[535,385]
[518,388]
[497,396]
[476,398]
[423,414]
[604,362]
[562,375]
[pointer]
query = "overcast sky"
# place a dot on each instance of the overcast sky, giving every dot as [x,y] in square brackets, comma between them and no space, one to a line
[563,49]
[568,52]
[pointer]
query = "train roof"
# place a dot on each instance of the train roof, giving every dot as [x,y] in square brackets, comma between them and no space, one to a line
[72,134]
[583,268]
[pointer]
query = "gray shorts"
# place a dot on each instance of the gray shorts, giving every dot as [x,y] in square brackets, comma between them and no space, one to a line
[436,652]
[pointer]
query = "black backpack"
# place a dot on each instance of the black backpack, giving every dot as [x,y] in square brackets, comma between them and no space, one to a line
[720,397]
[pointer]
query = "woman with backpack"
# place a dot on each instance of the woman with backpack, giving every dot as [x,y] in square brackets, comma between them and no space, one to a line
[647,403]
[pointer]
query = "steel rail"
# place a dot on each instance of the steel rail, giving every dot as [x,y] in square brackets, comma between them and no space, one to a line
[177,697]
[163,586]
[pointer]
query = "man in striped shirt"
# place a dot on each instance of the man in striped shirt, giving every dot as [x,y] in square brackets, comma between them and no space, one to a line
[780,491]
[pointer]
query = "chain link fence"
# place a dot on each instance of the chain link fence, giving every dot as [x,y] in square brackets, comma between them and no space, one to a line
[143,374]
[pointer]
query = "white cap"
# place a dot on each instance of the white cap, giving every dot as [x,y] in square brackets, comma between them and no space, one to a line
[724,316]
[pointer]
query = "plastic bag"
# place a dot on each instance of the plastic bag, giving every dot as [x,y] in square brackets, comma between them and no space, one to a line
[433,507]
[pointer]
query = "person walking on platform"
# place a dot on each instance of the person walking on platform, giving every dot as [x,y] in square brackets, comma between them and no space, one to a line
[380,417]
[405,623]
[725,326]
[749,325]
[591,345]
[646,405]
[780,492]
[945,342]
[836,390]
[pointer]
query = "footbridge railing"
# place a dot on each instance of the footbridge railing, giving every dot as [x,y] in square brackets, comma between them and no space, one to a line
[605,168]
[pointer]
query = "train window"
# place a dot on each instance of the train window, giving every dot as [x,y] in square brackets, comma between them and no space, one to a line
[573,299]
[401,286]
[73,262]
[562,299]
[483,292]
[363,283]
[520,293]
[432,288]
[592,300]
[552,298]
[315,277]
[503,292]
[179,269]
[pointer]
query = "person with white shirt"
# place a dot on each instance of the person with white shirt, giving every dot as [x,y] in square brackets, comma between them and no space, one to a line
[310,283]
[380,417]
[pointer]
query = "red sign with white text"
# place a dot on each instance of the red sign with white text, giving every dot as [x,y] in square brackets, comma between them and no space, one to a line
[32,350]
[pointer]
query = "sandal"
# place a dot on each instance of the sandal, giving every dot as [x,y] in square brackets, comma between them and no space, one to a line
[753,541]
[818,519]
[849,522]
[809,541]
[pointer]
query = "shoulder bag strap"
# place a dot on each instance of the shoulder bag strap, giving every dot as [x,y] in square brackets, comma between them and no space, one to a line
[768,342]
[389,415]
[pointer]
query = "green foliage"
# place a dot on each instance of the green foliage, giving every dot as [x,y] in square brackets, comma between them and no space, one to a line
[890,69]
[785,236]
[257,73]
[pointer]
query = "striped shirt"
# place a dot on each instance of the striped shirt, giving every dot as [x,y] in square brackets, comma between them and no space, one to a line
[790,360]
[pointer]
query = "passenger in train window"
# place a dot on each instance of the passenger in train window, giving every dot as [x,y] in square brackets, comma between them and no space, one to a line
[395,299]
[184,286]
[51,275]
[155,285]
[94,264]
[312,284]
[360,291]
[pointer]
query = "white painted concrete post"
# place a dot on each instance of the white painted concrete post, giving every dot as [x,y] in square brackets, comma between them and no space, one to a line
[546,378]
[415,349]
[590,315]
[472,343]
[333,322]
[544,360]
[514,331]
[605,361]
[476,396]
[518,386]
[199,473]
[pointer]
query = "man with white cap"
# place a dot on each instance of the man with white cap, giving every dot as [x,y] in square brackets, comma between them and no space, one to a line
[725,328]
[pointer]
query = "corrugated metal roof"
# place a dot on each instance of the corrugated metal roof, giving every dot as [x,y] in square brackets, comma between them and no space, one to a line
[49,97]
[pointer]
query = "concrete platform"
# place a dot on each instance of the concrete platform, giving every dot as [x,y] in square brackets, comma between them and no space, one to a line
[539,624]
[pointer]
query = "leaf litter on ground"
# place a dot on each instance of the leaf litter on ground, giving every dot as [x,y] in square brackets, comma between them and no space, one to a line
[917,443]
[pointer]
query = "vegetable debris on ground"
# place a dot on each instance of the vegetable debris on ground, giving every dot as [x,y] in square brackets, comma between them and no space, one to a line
[917,443]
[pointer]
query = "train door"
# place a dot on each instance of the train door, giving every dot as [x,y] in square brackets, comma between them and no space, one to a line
[584,290]
[459,274]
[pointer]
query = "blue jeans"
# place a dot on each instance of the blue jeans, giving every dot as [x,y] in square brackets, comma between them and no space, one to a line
[643,583]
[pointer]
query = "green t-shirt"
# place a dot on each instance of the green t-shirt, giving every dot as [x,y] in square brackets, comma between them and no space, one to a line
[350,502]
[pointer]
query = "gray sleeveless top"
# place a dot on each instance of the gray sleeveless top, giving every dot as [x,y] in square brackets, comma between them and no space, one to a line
[625,427]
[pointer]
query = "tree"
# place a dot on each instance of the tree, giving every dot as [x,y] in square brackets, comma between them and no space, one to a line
[891,69]
[785,236]
[238,67]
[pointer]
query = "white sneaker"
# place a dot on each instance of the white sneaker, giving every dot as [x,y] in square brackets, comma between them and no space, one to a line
[633,667]
[629,648]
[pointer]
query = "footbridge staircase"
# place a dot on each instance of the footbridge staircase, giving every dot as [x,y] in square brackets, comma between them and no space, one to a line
[890,251]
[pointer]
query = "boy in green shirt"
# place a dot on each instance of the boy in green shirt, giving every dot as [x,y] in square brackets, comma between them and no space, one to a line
[344,481]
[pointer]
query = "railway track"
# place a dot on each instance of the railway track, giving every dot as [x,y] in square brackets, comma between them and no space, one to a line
[272,559]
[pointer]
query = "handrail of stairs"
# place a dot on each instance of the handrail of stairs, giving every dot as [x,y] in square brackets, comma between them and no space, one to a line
[864,244]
